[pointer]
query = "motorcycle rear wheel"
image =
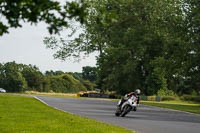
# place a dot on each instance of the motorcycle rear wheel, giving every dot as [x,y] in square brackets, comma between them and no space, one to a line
[118,112]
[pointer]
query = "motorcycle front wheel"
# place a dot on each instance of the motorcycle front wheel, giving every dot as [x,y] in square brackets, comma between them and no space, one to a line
[126,110]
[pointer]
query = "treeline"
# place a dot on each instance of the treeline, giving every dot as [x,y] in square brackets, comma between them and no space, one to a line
[19,78]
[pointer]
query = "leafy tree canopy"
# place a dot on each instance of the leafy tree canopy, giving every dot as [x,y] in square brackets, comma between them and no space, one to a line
[151,45]
[34,11]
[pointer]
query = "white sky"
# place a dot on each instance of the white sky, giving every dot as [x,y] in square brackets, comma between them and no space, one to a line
[25,45]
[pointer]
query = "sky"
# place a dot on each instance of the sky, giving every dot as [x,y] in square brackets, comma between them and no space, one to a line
[25,45]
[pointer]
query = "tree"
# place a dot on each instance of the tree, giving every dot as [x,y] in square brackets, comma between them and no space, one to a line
[33,77]
[143,31]
[51,73]
[2,76]
[13,79]
[92,38]
[89,73]
[151,45]
[34,11]
[192,67]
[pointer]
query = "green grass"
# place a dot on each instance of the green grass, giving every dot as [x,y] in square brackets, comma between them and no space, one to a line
[20,114]
[176,105]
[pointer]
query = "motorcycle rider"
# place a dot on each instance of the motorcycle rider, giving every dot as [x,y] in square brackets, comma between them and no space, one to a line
[136,93]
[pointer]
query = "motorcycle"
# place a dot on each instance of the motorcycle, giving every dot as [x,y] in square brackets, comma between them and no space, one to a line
[129,105]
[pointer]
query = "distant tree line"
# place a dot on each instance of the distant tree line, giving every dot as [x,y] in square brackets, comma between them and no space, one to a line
[20,77]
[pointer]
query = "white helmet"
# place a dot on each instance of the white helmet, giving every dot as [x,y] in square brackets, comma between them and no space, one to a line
[137,91]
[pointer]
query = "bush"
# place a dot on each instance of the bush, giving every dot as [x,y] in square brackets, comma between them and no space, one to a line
[166,92]
[158,98]
[65,83]
[169,98]
[89,85]
[190,98]
[151,98]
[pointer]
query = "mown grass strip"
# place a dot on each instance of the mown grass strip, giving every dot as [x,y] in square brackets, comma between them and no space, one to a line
[176,105]
[20,114]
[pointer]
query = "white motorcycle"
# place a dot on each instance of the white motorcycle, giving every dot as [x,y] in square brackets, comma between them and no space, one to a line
[130,104]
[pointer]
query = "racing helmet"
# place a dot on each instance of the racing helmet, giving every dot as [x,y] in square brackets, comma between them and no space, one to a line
[137,91]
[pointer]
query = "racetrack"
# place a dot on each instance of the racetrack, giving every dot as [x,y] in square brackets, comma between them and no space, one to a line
[147,119]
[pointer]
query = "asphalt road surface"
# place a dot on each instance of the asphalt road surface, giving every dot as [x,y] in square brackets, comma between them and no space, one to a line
[147,119]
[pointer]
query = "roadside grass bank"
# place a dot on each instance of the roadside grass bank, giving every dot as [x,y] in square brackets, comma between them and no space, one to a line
[186,106]
[20,114]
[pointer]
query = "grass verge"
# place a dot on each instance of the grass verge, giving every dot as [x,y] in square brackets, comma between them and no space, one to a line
[20,114]
[176,105]
[35,93]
